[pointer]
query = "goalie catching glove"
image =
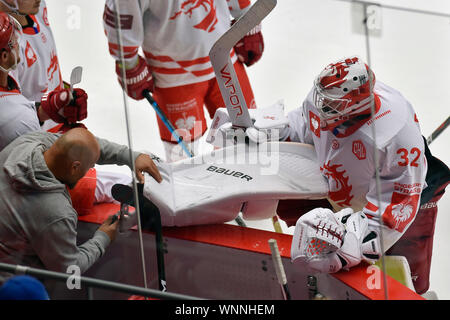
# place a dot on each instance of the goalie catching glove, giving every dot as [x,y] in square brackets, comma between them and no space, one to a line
[64,106]
[324,241]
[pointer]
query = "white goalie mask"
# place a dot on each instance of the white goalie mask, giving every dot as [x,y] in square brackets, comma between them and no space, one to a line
[344,89]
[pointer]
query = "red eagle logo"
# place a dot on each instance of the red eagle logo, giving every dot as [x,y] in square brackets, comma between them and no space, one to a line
[209,21]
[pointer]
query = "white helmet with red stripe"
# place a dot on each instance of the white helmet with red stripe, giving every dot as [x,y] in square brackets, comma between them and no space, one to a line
[343,90]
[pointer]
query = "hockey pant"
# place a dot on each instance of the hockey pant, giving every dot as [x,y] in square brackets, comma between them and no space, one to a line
[183,105]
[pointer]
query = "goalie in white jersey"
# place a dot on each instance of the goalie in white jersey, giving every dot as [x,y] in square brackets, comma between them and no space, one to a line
[176,37]
[336,118]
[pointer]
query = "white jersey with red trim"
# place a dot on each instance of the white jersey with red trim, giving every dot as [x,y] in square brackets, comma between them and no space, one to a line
[347,160]
[175,35]
[17,116]
[38,71]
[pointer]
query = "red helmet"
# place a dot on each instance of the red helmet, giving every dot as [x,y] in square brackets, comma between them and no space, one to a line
[10,30]
[344,89]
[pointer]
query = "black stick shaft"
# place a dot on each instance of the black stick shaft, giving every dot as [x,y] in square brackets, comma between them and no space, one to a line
[438,131]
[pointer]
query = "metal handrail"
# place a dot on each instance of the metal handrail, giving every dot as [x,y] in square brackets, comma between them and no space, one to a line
[92,282]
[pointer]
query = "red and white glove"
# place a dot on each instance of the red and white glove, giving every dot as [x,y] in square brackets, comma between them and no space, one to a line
[325,241]
[138,79]
[63,106]
[250,48]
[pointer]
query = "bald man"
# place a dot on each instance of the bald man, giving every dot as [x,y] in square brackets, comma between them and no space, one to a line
[38,225]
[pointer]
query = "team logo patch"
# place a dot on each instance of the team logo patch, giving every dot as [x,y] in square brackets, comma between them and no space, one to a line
[208,23]
[335,144]
[359,150]
[109,17]
[314,123]
[340,189]
[187,123]
[30,55]
[401,211]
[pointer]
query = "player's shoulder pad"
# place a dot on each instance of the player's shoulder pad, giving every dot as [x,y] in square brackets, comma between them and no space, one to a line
[395,115]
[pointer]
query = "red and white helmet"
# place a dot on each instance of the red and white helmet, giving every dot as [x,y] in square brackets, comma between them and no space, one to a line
[10,33]
[344,89]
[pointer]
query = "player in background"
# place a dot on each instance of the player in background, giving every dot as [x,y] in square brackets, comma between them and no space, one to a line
[336,119]
[37,73]
[18,115]
[176,37]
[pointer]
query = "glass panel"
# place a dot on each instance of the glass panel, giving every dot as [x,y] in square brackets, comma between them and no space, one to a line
[409,51]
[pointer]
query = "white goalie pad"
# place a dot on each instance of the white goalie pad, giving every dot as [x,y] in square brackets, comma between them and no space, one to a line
[214,187]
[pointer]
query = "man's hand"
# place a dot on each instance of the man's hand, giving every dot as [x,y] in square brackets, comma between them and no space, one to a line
[144,163]
[63,106]
[109,226]
[137,79]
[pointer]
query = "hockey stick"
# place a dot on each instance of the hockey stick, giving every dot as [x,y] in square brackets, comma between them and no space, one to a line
[166,122]
[223,68]
[229,85]
[279,269]
[438,131]
[75,76]
[150,220]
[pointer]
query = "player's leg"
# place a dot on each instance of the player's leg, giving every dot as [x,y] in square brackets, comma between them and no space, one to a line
[183,106]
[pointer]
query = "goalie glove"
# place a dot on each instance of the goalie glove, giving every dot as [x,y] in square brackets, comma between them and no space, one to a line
[268,125]
[324,241]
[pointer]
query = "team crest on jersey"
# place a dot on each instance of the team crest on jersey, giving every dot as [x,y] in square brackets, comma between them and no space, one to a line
[314,123]
[205,6]
[401,211]
[187,123]
[30,55]
[359,150]
[340,189]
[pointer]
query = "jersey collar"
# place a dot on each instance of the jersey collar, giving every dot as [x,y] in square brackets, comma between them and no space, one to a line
[346,130]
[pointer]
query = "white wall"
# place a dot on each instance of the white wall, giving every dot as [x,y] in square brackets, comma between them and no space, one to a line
[410,53]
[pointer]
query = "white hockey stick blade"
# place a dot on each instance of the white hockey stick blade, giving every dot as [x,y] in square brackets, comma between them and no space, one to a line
[75,76]
[223,68]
